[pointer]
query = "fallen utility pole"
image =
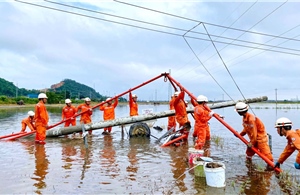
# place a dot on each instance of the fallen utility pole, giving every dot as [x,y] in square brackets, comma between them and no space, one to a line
[139,118]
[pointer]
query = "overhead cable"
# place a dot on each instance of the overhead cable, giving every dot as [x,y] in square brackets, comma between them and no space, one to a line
[203,64]
[264,34]
[154,30]
[169,27]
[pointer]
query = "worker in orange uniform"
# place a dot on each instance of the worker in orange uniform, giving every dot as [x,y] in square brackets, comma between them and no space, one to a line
[41,119]
[133,106]
[108,113]
[284,128]
[202,116]
[28,121]
[180,111]
[69,111]
[171,119]
[86,117]
[256,132]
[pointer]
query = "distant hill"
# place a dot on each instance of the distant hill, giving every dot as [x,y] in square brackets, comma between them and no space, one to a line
[69,88]
[75,90]
[9,89]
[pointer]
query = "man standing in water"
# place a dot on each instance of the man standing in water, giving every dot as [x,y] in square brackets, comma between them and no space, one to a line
[180,111]
[256,132]
[284,128]
[41,119]
[86,117]
[108,113]
[67,112]
[133,106]
[171,119]
[202,116]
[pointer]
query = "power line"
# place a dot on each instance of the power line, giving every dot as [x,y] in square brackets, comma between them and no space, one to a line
[206,22]
[169,27]
[154,30]
[203,64]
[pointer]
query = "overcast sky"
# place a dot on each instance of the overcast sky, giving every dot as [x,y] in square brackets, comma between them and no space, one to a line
[112,47]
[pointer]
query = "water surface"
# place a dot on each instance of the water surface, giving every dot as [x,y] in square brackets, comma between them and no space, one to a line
[116,164]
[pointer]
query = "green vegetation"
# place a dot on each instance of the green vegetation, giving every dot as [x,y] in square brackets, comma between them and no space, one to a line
[11,94]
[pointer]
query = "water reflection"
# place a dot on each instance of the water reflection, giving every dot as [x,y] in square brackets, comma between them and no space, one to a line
[179,163]
[29,146]
[131,165]
[86,154]
[256,182]
[41,168]
[136,145]
[68,152]
[108,158]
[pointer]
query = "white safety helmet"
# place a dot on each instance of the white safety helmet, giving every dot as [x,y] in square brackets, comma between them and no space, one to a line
[202,98]
[107,99]
[67,101]
[241,107]
[134,96]
[30,113]
[283,122]
[42,95]
[176,93]
[87,99]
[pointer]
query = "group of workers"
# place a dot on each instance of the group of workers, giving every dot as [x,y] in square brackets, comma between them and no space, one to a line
[38,120]
[252,125]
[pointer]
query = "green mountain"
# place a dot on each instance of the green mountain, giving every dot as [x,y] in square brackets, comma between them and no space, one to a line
[73,90]
[65,89]
[9,89]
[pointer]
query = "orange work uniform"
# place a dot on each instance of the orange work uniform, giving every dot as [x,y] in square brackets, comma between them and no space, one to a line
[68,112]
[133,106]
[86,117]
[257,134]
[201,128]
[180,110]
[293,143]
[28,122]
[171,119]
[109,112]
[41,119]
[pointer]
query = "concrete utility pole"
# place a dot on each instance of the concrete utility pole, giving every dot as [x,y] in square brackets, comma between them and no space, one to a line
[134,119]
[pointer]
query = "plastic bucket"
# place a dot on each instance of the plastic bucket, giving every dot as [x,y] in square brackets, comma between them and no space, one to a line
[215,177]
[198,170]
[194,153]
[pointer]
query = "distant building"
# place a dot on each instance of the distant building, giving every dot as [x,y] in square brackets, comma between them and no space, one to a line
[32,95]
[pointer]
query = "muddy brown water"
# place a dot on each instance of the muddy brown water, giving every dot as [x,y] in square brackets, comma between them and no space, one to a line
[116,164]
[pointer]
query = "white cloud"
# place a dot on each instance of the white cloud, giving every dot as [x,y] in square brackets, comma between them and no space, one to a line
[40,47]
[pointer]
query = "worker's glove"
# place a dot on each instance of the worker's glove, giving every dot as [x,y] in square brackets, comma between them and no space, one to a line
[91,110]
[297,165]
[211,113]
[249,145]
[277,165]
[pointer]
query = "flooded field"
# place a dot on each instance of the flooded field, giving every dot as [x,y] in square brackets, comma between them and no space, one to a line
[116,164]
